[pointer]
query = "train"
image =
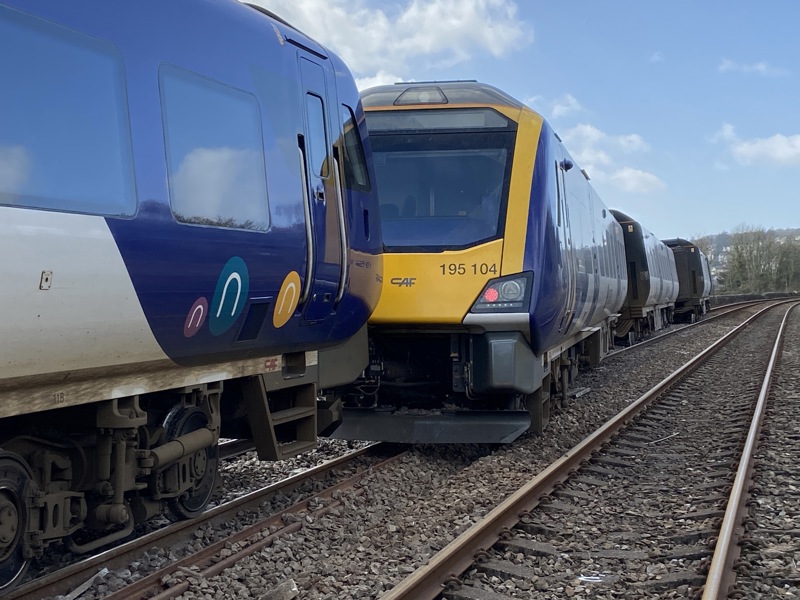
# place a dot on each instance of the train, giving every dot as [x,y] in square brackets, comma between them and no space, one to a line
[504,271]
[192,248]
[695,281]
[652,282]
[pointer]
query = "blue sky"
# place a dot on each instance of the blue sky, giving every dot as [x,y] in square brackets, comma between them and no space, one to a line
[684,114]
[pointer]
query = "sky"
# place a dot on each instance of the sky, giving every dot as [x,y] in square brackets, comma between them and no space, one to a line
[685,114]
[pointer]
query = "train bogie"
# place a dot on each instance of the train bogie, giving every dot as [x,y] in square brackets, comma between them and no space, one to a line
[196,250]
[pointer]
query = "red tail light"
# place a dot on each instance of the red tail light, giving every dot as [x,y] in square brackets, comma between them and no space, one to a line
[491,295]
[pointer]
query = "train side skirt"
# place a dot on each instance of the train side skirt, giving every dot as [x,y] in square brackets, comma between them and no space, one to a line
[441,427]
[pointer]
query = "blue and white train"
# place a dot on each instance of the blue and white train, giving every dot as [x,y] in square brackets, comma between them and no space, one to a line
[191,248]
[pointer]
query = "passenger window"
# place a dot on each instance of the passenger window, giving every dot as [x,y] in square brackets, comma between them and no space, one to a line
[355,164]
[318,139]
[215,153]
[65,135]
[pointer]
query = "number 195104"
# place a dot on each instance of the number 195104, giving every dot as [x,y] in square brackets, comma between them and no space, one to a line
[468,269]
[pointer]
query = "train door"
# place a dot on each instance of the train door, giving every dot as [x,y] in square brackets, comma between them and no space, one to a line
[568,273]
[324,256]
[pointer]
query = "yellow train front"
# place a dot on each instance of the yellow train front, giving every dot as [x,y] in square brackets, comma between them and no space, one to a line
[502,268]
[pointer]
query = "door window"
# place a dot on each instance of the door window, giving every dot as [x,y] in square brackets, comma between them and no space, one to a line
[318,140]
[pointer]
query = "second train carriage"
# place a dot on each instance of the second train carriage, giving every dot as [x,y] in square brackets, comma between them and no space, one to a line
[694,275]
[652,281]
[502,268]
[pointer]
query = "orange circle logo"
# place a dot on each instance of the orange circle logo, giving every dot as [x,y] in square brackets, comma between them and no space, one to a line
[287,300]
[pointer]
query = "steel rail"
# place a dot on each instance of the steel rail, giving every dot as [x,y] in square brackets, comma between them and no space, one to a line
[736,307]
[229,449]
[209,562]
[427,582]
[62,581]
[720,574]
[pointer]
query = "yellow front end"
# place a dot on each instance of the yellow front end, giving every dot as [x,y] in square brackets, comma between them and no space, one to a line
[440,288]
[435,288]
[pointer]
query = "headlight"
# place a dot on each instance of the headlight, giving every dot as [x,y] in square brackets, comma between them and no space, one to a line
[512,291]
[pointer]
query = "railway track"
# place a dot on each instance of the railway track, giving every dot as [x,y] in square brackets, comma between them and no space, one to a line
[717,312]
[230,449]
[760,543]
[71,580]
[396,519]
[636,506]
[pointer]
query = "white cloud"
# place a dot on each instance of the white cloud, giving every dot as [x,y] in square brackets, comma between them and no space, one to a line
[657,57]
[553,109]
[565,105]
[594,150]
[760,68]
[373,40]
[726,133]
[583,135]
[15,168]
[535,102]
[380,78]
[778,149]
[589,137]
[635,180]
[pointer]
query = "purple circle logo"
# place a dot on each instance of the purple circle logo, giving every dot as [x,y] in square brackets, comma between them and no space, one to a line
[196,317]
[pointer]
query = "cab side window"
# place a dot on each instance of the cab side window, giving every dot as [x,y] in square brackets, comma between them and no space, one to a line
[355,164]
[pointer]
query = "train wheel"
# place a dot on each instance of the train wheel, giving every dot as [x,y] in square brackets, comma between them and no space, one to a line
[16,480]
[202,465]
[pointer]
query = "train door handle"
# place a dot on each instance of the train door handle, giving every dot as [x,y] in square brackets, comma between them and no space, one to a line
[319,195]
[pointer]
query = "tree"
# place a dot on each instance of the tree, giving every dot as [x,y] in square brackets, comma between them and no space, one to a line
[706,245]
[788,269]
[753,260]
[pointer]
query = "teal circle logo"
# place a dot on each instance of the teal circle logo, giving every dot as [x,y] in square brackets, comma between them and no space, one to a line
[230,296]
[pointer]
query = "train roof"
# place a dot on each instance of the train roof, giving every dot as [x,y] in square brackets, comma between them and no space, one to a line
[679,242]
[294,35]
[437,93]
[621,217]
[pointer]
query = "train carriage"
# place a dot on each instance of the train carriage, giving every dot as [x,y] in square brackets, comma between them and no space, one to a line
[694,275]
[652,282]
[502,269]
[191,249]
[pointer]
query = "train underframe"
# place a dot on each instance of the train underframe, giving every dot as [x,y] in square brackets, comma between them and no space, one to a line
[639,322]
[692,310]
[458,387]
[86,475]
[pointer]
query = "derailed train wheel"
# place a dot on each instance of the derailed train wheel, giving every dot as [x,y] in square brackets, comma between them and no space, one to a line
[202,466]
[16,481]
